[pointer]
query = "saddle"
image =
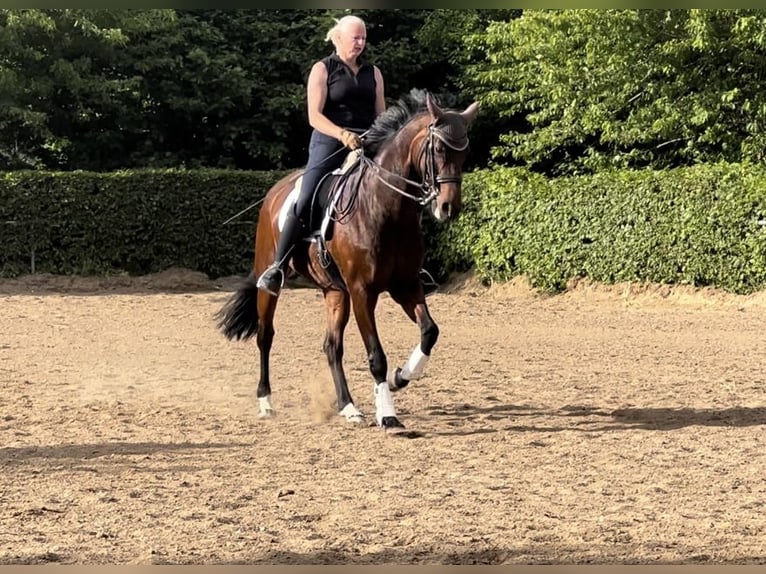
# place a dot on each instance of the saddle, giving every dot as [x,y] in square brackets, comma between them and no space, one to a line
[323,201]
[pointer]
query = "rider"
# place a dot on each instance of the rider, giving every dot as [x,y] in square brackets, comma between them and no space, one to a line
[344,96]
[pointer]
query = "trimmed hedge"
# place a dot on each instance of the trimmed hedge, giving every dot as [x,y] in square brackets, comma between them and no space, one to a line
[703,225]
[134,221]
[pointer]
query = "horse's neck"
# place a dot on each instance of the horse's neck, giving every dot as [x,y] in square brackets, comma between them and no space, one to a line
[396,159]
[382,205]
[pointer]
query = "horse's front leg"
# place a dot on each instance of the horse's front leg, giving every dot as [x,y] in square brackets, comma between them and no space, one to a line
[337,303]
[364,311]
[414,305]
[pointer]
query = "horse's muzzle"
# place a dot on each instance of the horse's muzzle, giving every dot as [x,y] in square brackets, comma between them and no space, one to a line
[446,206]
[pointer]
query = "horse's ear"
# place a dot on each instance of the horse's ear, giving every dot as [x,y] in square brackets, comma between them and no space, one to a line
[469,114]
[433,109]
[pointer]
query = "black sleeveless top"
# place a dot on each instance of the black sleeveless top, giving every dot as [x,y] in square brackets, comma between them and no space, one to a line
[350,101]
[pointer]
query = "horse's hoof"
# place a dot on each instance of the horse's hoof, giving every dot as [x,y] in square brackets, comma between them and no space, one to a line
[395,381]
[392,425]
[351,414]
[265,408]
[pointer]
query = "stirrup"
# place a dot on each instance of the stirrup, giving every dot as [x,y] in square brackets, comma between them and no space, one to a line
[268,279]
[429,283]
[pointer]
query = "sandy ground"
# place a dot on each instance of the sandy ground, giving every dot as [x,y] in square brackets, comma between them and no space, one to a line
[604,425]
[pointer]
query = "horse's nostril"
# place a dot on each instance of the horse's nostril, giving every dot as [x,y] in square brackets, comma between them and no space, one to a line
[446,208]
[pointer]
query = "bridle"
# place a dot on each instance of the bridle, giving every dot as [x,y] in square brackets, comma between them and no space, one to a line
[429,187]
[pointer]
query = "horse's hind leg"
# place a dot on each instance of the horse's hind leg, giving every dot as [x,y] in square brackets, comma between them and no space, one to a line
[250,311]
[267,305]
[414,305]
[338,312]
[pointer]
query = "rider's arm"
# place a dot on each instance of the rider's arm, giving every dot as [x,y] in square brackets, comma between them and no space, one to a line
[316,94]
[380,98]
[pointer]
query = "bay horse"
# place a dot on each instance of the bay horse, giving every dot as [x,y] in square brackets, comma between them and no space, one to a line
[412,160]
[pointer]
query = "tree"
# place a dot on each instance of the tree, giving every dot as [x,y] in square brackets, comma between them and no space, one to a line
[58,80]
[110,89]
[626,88]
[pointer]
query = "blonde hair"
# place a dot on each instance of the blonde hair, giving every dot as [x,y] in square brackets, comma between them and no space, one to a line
[332,33]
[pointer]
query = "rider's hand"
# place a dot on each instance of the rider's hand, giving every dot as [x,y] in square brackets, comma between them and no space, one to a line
[350,139]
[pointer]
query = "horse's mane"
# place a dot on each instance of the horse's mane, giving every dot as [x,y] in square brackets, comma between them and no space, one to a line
[393,118]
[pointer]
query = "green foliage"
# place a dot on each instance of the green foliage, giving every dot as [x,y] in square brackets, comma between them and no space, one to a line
[101,90]
[130,221]
[607,89]
[615,100]
[59,87]
[225,89]
[701,225]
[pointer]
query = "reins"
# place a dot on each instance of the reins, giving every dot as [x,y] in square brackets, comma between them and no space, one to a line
[251,206]
[431,180]
[429,187]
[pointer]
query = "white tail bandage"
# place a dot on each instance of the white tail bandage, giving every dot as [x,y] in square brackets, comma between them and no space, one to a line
[415,365]
[384,402]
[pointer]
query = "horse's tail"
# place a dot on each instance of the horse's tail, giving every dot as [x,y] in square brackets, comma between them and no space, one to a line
[238,318]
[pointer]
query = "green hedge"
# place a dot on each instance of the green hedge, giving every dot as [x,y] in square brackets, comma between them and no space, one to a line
[702,226]
[135,221]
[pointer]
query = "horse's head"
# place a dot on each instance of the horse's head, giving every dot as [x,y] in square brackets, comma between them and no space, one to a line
[442,155]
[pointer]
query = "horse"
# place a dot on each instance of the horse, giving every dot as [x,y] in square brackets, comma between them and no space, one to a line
[369,242]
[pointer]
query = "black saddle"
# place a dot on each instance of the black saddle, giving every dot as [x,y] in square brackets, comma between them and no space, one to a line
[330,188]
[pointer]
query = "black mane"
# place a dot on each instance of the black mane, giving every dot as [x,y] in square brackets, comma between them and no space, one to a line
[393,118]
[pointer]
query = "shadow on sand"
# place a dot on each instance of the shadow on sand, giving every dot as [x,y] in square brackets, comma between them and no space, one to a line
[470,419]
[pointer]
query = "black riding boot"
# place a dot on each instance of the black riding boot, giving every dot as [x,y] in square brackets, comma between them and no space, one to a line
[274,277]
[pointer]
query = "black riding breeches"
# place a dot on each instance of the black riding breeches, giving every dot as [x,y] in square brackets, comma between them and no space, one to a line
[325,154]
